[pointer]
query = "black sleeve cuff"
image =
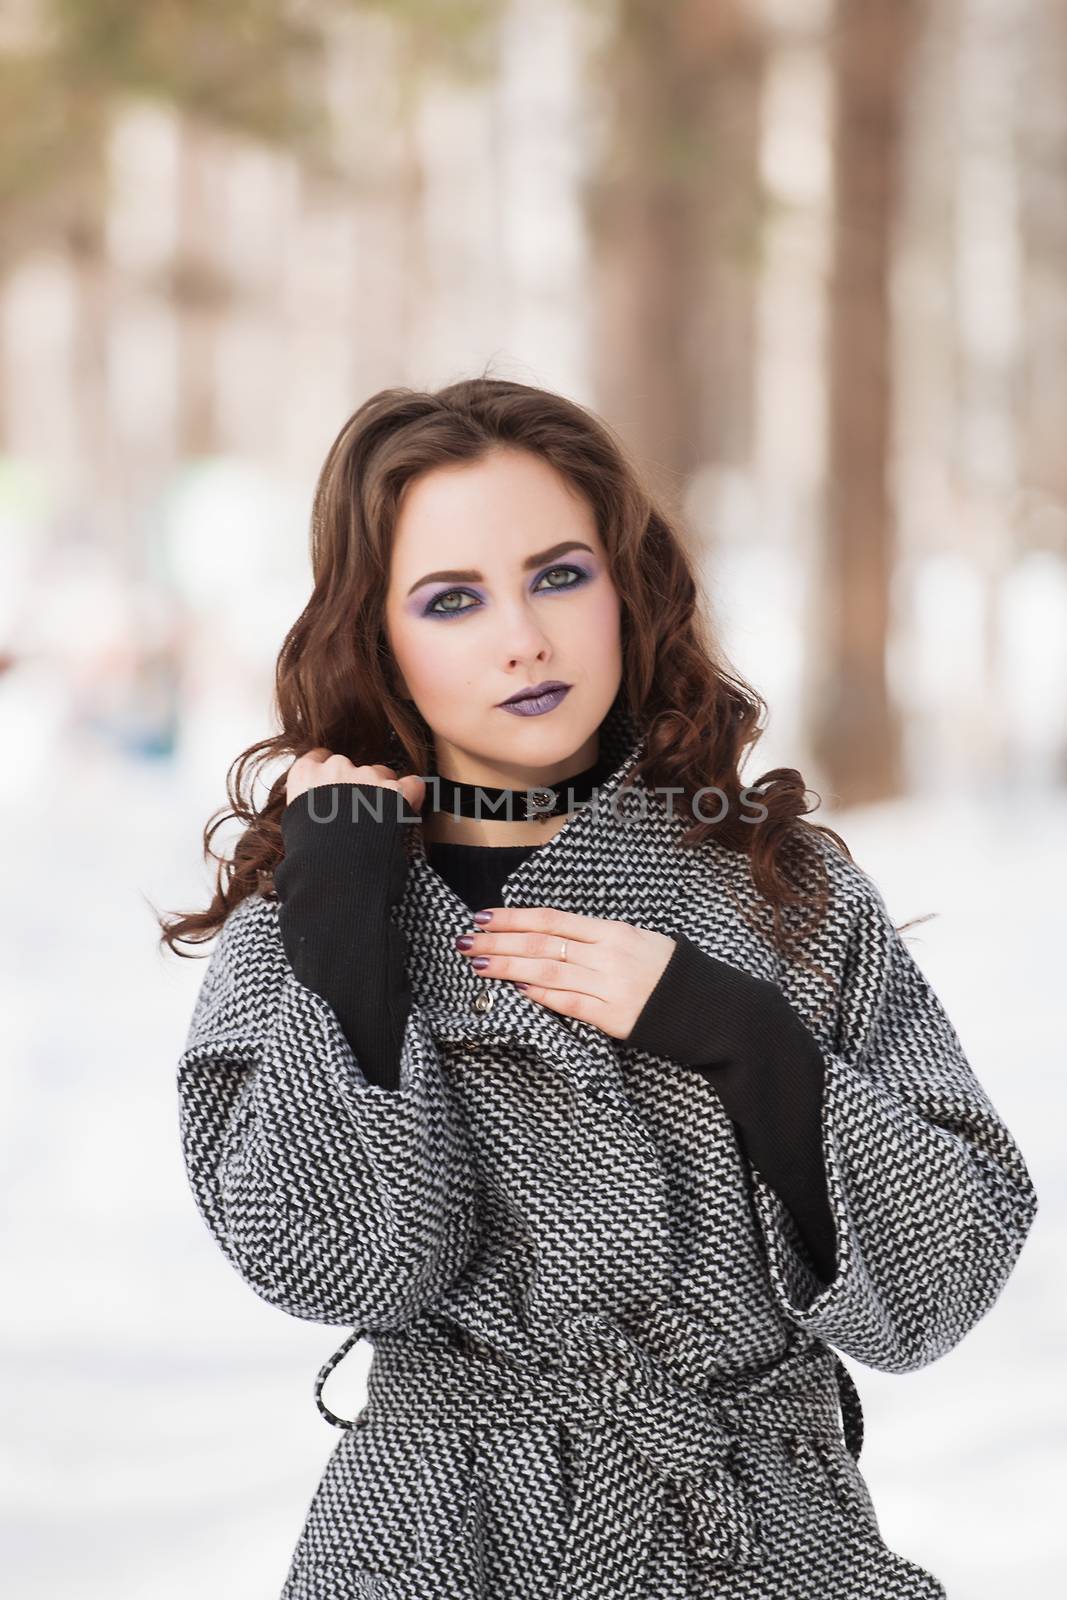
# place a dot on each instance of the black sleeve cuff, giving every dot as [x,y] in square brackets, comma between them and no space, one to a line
[745,1039]
[344,869]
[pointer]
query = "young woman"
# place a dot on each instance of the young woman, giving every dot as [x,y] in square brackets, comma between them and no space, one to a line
[596,1090]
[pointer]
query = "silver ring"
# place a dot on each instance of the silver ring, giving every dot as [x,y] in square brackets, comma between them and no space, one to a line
[563,956]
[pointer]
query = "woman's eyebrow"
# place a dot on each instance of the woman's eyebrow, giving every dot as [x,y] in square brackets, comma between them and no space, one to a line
[470,575]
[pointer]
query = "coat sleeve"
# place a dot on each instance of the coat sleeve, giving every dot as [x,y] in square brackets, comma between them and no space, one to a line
[742,1036]
[336,1200]
[930,1195]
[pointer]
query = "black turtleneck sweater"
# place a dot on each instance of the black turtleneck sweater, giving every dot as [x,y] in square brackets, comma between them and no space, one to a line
[337,885]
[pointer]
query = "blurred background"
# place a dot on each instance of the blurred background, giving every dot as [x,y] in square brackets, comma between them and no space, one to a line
[809,258]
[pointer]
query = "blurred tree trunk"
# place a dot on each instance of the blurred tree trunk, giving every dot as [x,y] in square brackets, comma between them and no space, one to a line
[80,211]
[408,192]
[855,731]
[198,293]
[1043,183]
[674,219]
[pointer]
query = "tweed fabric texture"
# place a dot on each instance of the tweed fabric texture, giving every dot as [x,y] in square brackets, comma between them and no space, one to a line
[602,1364]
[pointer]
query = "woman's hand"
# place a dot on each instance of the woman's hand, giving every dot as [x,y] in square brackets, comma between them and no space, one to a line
[610,971]
[319,766]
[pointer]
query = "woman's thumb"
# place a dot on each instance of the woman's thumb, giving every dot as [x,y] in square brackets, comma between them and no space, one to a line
[413,789]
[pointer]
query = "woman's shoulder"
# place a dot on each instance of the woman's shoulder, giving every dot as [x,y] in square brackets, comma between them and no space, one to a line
[256,909]
[846,876]
[249,939]
[852,897]
[843,872]
[245,973]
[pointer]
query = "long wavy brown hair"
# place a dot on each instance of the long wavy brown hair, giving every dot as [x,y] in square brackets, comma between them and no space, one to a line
[334,682]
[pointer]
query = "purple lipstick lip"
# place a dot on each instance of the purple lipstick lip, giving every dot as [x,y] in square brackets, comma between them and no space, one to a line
[536,705]
[535,691]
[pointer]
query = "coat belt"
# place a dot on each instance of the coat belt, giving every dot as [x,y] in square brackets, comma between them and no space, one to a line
[639,1441]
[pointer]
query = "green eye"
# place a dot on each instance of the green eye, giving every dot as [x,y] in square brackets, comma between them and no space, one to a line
[436,609]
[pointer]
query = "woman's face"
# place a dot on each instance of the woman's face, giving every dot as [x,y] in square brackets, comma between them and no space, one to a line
[499,581]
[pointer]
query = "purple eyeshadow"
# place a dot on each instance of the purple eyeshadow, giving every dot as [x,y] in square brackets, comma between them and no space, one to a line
[426,610]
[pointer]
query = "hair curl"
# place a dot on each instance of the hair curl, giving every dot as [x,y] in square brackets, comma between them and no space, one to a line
[334,683]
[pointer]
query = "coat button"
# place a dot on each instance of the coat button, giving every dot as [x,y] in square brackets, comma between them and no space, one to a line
[483,1000]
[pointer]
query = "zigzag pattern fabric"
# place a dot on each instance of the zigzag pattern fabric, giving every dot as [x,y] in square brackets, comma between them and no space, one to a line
[602,1364]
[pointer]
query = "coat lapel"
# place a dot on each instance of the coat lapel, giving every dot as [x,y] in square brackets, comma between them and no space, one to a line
[586,867]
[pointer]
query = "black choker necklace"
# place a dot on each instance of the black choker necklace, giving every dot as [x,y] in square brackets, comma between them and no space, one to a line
[515,805]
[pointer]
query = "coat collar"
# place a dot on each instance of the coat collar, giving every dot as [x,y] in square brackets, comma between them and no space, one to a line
[584,867]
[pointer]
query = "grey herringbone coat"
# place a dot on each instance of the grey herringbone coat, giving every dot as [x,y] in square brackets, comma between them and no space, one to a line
[602,1365]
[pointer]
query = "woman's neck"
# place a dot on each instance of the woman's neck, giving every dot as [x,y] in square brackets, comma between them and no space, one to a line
[443,826]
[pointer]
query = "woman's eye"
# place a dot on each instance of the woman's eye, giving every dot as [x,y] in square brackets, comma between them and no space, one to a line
[437,609]
[577,572]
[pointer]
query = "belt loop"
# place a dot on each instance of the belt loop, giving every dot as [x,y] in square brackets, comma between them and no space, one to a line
[851,1408]
[324,1372]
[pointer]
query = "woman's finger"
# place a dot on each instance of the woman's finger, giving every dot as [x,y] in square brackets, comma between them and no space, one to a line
[535,946]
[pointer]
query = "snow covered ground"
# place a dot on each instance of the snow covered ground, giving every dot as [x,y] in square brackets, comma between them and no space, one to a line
[159,1431]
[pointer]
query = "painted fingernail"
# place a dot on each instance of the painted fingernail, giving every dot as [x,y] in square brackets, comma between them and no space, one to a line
[483,916]
[479,961]
[465,942]
[522,986]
